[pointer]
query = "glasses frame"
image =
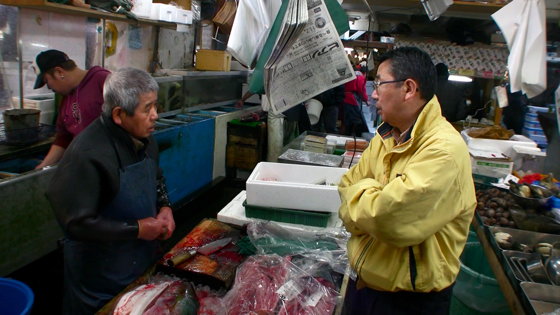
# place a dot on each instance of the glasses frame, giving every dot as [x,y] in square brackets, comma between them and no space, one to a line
[376,83]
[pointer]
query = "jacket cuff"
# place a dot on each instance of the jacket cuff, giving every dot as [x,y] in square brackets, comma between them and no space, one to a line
[162,197]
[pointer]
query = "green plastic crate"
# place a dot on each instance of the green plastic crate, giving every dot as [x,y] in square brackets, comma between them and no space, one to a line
[312,218]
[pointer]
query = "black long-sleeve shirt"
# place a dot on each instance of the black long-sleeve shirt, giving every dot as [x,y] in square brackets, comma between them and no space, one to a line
[88,179]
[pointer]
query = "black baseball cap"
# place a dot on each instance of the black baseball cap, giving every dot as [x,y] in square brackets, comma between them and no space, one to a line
[45,61]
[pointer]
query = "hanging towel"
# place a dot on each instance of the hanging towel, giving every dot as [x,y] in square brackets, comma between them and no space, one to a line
[522,23]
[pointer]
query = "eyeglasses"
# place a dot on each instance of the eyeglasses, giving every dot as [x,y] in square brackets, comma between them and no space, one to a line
[376,84]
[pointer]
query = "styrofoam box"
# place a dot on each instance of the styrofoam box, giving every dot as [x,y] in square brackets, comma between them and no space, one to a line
[294,187]
[234,213]
[529,132]
[184,16]
[531,117]
[532,124]
[502,146]
[163,12]
[41,102]
[46,118]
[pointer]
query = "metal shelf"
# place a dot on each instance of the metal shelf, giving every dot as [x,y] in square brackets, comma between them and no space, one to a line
[44,5]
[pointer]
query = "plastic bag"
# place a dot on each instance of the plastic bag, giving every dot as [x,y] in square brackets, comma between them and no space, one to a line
[270,238]
[210,300]
[271,284]
[162,295]
[475,285]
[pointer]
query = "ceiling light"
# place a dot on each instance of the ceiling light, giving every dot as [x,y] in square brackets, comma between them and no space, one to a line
[459,78]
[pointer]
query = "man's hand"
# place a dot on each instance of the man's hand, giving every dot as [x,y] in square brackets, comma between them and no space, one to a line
[166,215]
[151,228]
[239,104]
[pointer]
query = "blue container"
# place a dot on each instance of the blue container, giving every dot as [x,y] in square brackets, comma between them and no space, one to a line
[16,298]
[186,153]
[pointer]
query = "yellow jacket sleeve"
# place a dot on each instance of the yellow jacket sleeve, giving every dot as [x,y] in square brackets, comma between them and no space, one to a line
[411,207]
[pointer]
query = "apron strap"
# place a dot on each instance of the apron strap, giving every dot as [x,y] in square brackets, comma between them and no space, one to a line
[112,142]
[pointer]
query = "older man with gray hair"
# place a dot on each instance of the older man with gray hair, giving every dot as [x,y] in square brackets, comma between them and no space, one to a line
[109,196]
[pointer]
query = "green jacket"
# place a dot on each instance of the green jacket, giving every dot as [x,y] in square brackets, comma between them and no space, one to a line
[409,206]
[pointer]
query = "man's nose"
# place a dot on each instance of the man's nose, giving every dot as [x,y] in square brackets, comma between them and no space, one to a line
[374,95]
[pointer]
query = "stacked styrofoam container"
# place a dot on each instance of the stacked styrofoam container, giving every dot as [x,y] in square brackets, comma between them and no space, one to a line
[142,8]
[532,127]
[44,103]
[163,12]
[294,186]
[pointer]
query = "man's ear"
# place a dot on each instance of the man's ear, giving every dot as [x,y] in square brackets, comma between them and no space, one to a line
[61,72]
[117,114]
[412,88]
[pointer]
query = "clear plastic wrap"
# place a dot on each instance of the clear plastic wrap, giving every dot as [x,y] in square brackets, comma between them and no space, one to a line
[210,300]
[270,238]
[270,284]
[161,295]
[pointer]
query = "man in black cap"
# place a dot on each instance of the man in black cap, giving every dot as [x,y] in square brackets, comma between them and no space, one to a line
[82,92]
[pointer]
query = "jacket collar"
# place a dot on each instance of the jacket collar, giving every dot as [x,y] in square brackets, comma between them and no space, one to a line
[120,135]
[429,114]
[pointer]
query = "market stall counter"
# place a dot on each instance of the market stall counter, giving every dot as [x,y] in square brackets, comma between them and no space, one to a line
[518,235]
[263,268]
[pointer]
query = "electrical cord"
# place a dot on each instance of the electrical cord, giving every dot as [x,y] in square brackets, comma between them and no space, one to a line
[355,145]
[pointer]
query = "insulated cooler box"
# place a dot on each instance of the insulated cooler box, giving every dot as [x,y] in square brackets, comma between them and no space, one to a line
[293,186]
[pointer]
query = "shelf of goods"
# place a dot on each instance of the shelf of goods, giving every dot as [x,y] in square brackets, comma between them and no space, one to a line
[45,5]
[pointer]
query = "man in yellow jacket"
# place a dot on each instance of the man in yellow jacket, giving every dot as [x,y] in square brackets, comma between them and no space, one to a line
[409,202]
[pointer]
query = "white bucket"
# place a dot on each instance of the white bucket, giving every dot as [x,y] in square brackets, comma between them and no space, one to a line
[142,8]
[314,108]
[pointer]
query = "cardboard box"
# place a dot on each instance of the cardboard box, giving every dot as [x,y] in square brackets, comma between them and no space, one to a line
[293,186]
[490,163]
[213,60]
[501,146]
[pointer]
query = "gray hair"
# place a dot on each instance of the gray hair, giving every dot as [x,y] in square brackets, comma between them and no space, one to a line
[123,88]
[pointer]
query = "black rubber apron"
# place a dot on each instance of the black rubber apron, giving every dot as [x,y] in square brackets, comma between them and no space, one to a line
[97,271]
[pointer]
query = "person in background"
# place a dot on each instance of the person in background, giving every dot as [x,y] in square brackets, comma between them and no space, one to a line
[450,97]
[330,99]
[109,196]
[355,94]
[82,92]
[409,201]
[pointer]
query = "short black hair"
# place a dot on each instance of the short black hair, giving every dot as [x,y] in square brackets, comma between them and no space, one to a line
[413,63]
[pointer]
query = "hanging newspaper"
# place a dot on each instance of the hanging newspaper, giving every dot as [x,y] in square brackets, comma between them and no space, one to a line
[313,63]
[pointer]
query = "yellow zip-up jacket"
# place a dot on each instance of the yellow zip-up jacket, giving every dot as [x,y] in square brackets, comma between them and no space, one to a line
[409,206]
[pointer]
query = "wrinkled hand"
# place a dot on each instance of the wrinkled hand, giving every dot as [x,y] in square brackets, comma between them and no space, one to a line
[151,228]
[239,104]
[166,215]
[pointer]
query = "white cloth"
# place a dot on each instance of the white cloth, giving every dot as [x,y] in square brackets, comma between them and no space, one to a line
[522,23]
[252,23]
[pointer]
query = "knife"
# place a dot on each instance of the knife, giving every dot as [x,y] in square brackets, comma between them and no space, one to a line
[205,250]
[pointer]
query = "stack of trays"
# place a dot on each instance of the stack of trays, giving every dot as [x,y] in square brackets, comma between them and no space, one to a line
[532,127]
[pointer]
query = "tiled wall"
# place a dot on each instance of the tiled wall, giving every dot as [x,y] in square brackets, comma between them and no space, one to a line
[81,39]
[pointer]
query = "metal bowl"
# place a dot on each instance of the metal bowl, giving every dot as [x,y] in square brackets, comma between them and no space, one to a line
[532,203]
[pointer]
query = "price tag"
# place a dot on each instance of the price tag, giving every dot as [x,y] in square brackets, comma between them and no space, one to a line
[289,290]
[314,299]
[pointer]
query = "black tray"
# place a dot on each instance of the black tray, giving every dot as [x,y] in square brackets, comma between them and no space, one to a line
[27,136]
